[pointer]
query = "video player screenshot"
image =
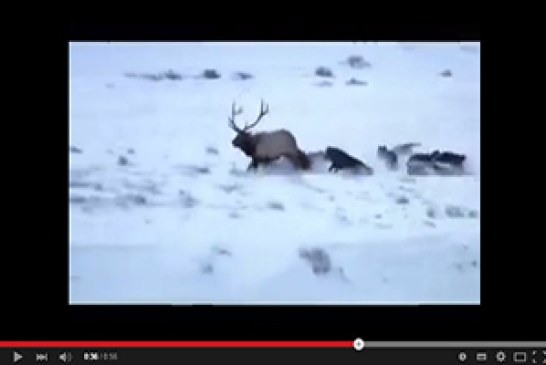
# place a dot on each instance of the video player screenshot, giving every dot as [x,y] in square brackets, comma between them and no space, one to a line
[249,199]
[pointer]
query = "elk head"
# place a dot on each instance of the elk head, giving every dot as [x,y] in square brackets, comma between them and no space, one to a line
[244,139]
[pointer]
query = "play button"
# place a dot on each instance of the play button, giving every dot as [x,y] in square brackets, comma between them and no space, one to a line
[16,357]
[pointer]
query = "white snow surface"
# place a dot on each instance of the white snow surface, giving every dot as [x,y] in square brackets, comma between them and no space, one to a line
[180,224]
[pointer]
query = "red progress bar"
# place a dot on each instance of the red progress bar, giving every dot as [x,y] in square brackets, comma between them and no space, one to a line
[178,344]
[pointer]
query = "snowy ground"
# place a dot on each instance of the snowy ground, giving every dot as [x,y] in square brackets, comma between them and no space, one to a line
[162,209]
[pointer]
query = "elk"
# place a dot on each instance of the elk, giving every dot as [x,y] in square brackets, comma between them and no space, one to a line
[266,147]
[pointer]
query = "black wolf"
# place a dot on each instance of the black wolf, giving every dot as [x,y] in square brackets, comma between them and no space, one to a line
[448,159]
[342,160]
[418,163]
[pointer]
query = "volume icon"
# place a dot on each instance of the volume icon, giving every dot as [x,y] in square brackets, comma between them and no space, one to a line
[65,357]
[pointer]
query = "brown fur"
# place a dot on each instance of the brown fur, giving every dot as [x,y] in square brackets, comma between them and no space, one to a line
[266,147]
[270,146]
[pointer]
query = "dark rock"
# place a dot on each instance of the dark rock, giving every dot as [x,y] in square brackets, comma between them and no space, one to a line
[171,75]
[151,77]
[431,213]
[230,188]
[473,214]
[383,226]
[474,263]
[202,170]
[354,81]
[221,251]
[324,84]
[125,201]
[79,184]
[211,74]
[242,76]
[402,200]
[192,169]
[212,151]
[85,184]
[275,206]
[188,201]
[207,268]
[356,61]
[318,258]
[136,199]
[234,215]
[343,218]
[446,73]
[453,211]
[78,199]
[148,186]
[75,149]
[130,151]
[123,161]
[324,72]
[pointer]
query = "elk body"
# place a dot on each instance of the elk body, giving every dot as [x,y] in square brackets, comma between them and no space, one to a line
[266,147]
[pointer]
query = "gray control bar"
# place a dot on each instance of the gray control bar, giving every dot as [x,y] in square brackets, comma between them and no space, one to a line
[455,344]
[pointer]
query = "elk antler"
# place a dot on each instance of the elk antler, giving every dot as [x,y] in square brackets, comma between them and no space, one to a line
[231,119]
[260,116]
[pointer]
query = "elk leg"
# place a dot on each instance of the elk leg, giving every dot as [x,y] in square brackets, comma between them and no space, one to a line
[253,165]
[293,160]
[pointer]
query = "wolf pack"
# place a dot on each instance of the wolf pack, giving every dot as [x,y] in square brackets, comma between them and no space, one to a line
[265,147]
[437,162]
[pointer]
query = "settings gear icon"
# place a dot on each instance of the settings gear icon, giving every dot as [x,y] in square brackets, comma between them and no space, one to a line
[501,356]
